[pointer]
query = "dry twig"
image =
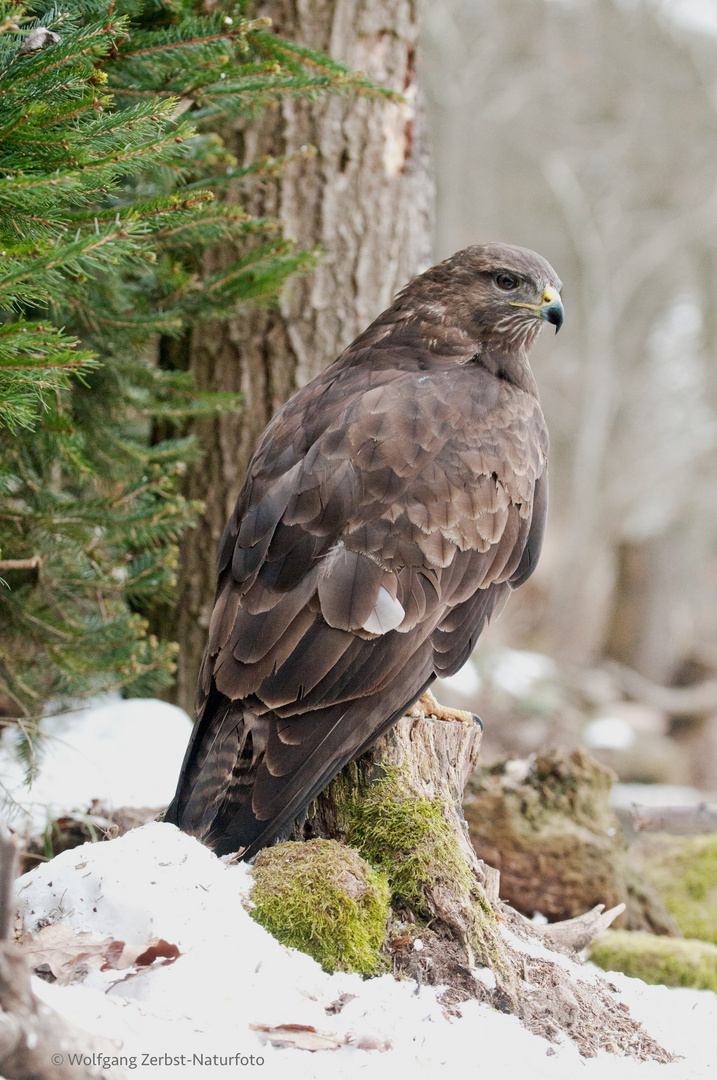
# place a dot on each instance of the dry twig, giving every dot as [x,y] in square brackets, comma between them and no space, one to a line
[678,820]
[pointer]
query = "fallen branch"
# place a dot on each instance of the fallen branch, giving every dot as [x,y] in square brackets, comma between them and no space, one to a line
[579,932]
[698,700]
[21,564]
[678,820]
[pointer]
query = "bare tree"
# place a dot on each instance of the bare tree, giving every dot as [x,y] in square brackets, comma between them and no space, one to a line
[586,131]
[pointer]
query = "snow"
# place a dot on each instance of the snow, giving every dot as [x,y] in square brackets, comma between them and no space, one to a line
[698,15]
[625,796]
[466,680]
[609,732]
[231,974]
[519,672]
[124,753]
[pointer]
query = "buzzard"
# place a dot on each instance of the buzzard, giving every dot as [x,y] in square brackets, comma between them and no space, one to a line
[389,509]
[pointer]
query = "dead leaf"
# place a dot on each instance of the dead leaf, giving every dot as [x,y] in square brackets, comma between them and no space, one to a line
[120,956]
[66,954]
[299,1036]
[158,949]
[115,954]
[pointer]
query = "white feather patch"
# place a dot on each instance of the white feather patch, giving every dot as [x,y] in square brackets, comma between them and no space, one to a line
[386,615]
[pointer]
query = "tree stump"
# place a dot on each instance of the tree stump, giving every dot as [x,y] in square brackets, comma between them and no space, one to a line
[547,825]
[399,805]
[435,759]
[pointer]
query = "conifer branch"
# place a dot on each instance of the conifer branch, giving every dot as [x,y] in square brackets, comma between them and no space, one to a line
[169,46]
[106,204]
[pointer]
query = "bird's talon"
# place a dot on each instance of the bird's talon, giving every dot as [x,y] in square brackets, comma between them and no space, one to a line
[427,708]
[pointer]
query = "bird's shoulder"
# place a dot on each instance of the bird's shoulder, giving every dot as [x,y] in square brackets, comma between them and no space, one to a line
[373,396]
[404,463]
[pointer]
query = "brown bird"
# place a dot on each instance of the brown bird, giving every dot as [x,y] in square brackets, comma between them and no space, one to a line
[389,509]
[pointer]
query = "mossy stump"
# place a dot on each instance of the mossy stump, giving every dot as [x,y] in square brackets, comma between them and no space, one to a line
[683,872]
[547,825]
[399,806]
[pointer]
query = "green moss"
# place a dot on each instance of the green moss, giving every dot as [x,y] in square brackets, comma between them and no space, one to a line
[560,782]
[324,899]
[669,961]
[408,838]
[684,874]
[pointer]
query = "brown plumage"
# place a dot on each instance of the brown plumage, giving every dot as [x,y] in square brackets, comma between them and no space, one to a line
[389,509]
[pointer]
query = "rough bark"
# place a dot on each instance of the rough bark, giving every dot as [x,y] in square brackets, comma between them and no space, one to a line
[365,199]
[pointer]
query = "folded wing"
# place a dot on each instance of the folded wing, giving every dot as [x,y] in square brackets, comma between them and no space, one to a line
[384,519]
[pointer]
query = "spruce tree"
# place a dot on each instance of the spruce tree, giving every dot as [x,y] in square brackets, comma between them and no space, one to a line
[110,191]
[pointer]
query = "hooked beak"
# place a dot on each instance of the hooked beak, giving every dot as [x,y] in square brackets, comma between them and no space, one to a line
[550,308]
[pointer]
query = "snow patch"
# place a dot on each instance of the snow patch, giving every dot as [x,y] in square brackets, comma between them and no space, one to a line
[609,732]
[519,672]
[156,881]
[122,752]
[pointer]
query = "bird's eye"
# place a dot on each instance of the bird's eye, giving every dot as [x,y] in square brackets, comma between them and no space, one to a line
[507,282]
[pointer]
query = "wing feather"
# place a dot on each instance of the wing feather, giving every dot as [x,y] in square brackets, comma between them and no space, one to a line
[348,588]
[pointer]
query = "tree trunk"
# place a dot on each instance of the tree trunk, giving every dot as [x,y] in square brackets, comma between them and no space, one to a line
[629,600]
[365,199]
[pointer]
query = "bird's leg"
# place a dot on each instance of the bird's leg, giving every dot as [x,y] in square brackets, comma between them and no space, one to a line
[427,706]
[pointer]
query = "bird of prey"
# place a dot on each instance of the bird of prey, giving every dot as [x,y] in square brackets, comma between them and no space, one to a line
[389,509]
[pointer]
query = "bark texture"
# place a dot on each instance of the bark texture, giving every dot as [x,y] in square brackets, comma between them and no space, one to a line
[438,757]
[365,199]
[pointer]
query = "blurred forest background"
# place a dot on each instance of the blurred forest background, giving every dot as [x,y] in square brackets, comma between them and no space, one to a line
[587,129]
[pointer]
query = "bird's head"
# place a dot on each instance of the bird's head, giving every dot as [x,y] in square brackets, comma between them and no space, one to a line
[499,295]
